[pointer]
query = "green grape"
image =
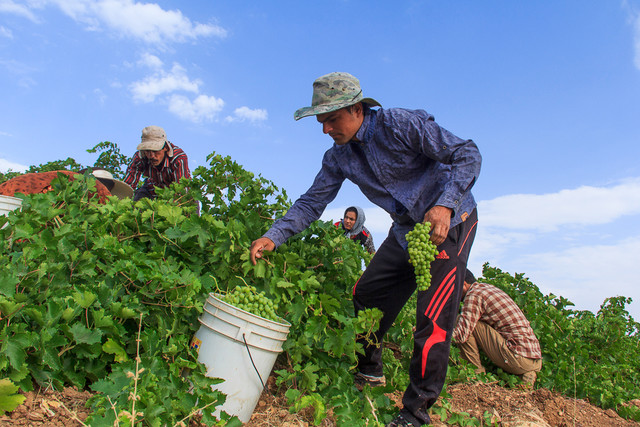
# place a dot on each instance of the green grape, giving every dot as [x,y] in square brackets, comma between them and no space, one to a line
[248,298]
[421,252]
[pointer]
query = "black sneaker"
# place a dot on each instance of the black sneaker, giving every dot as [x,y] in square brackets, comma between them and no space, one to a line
[402,420]
[360,380]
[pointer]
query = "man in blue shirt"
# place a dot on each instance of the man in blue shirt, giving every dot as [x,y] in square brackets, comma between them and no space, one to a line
[415,170]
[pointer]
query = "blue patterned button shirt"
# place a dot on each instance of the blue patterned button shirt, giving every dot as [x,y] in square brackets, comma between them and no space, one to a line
[402,161]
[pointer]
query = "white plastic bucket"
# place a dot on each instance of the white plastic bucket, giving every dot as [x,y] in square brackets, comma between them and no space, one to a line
[8,204]
[220,341]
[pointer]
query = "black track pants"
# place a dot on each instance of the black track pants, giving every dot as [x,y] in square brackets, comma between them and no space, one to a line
[387,284]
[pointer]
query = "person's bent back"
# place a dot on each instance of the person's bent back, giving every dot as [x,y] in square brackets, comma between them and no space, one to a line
[492,322]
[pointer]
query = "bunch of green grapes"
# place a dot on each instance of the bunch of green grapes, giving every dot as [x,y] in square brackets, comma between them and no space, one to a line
[248,298]
[421,252]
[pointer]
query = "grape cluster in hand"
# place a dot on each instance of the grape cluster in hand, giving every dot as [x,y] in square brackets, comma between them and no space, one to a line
[248,298]
[421,252]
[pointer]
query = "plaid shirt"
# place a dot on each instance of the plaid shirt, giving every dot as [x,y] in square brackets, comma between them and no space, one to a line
[174,167]
[490,305]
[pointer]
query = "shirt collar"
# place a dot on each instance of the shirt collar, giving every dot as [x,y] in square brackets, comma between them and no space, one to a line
[167,158]
[361,135]
[170,152]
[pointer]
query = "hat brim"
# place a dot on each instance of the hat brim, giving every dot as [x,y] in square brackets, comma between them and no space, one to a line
[151,145]
[120,189]
[327,108]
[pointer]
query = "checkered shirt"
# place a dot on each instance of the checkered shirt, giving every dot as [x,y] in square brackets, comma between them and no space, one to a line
[491,305]
[171,170]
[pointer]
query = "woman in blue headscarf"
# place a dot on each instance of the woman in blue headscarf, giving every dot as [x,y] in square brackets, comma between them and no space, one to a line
[353,226]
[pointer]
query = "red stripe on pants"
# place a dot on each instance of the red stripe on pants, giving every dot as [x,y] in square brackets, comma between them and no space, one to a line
[439,300]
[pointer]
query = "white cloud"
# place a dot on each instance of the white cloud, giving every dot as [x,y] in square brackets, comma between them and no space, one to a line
[147,22]
[551,238]
[636,42]
[16,67]
[161,83]
[5,32]
[335,214]
[242,114]
[508,220]
[493,244]
[201,108]
[100,95]
[21,70]
[546,212]
[150,61]
[9,6]
[6,165]
[634,17]
[588,274]
[161,87]
[27,82]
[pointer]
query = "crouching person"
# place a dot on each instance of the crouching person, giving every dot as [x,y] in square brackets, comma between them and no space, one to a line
[492,322]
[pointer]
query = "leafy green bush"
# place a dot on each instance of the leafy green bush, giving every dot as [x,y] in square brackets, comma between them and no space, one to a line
[595,357]
[108,296]
[110,158]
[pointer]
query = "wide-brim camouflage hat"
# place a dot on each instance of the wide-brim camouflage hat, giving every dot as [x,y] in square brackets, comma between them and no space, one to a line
[332,92]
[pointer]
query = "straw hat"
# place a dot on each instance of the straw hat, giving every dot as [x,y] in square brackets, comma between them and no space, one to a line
[120,189]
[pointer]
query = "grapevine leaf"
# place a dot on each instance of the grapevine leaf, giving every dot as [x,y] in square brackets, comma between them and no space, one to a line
[283,284]
[84,299]
[115,384]
[82,334]
[116,349]
[8,282]
[260,269]
[329,304]
[8,308]
[15,352]
[9,399]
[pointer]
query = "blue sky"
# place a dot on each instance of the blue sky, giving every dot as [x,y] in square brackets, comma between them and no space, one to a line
[549,91]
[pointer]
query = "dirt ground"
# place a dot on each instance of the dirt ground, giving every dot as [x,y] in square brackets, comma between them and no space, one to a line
[509,407]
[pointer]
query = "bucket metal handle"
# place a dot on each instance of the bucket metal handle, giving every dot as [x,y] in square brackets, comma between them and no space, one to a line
[251,358]
[243,333]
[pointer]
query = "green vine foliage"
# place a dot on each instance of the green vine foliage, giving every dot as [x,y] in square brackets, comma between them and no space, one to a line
[107,297]
[586,355]
[110,158]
